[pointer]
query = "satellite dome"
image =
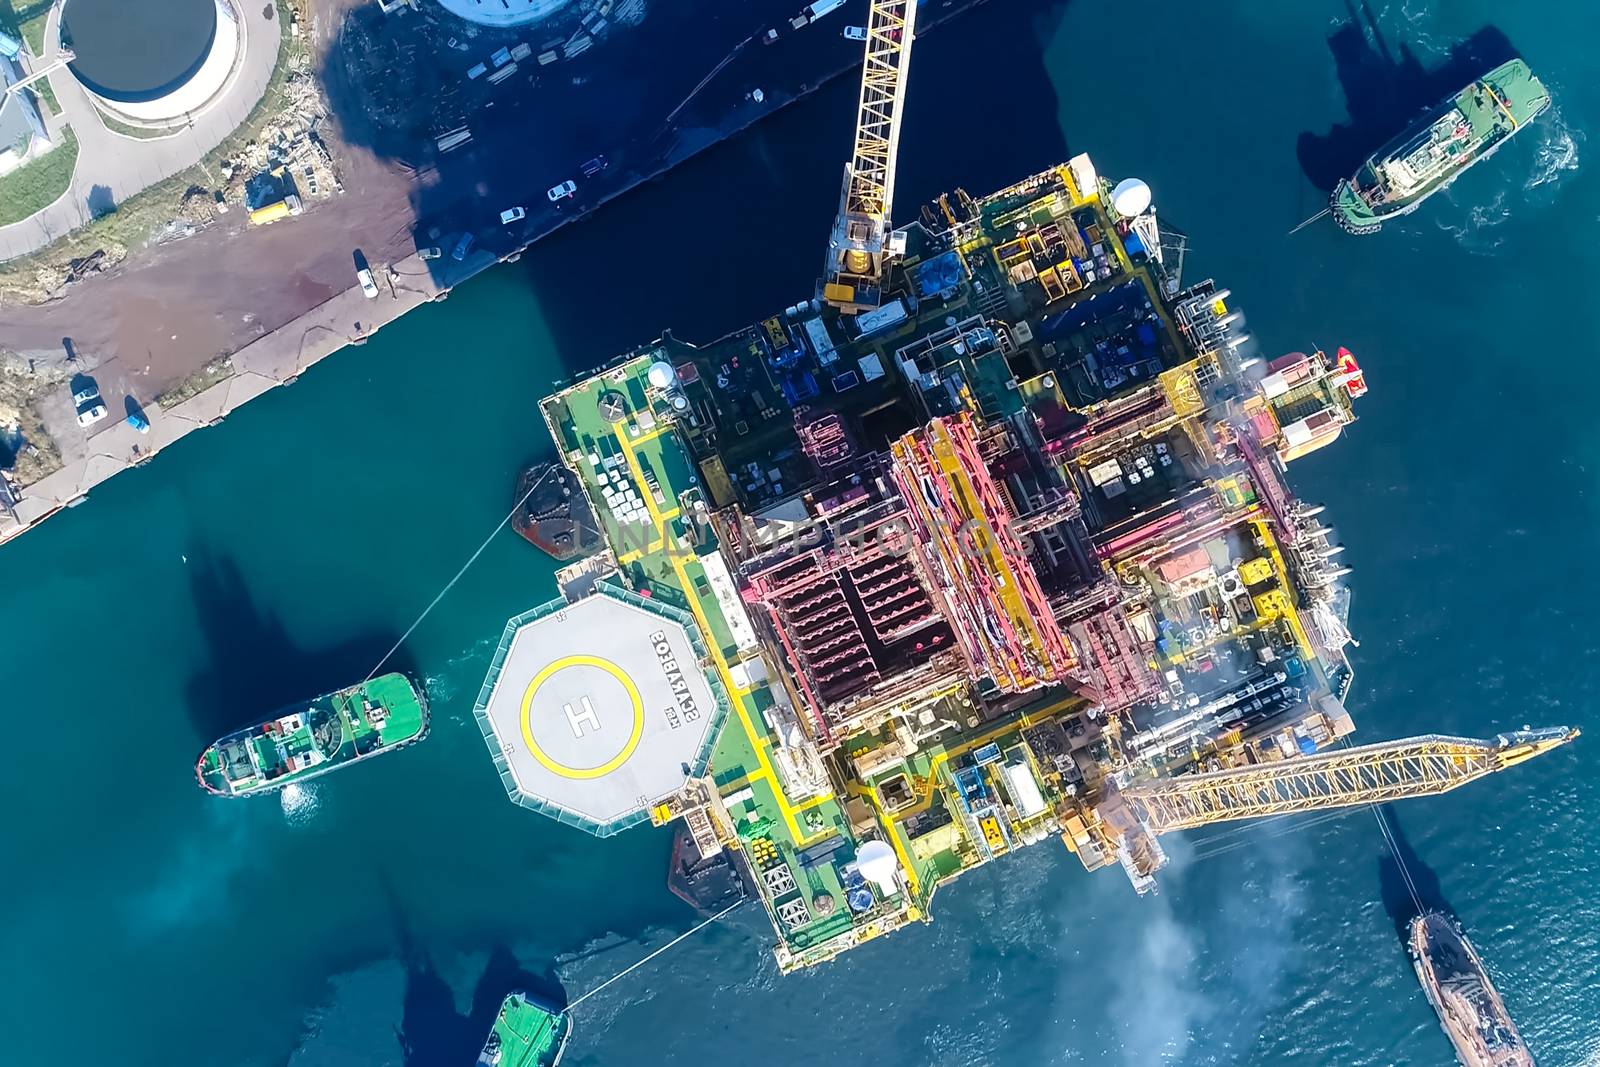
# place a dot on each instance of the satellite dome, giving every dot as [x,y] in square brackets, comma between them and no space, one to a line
[661,374]
[877,865]
[1131,198]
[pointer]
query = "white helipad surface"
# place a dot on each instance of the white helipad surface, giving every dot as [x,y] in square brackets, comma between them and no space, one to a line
[600,708]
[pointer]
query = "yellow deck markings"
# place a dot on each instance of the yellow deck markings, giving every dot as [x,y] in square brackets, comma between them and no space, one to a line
[758,741]
[1281,574]
[582,773]
[655,546]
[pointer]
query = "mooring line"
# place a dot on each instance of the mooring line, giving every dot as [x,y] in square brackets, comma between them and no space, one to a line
[634,967]
[464,568]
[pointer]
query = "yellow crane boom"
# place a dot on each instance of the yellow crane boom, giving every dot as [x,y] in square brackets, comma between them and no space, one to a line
[1127,818]
[852,278]
[1370,774]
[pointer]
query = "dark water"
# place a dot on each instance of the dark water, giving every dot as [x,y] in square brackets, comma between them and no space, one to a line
[377,921]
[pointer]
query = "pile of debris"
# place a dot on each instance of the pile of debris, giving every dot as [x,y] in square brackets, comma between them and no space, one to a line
[53,279]
[23,440]
[288,140]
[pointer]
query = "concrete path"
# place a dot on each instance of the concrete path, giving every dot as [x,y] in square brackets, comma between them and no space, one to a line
[112,167]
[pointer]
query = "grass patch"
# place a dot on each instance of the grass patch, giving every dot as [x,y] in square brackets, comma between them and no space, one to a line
[46,95]
[139,216]
[216,370]
[143,133]
[26,19]
[37,184]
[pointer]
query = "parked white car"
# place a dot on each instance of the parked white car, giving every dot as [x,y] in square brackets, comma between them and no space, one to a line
[855,33]
[92,414]
[561,192]
[512,214]
[368,286]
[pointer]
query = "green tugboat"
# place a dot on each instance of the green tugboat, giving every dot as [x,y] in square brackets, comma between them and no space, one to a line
[526,1034]
[1450,138]
[304,740]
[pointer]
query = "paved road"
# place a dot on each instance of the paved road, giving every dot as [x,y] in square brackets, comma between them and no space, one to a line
[112,167]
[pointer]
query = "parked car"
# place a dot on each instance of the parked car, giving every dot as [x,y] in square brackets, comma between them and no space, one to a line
[855,33]
[92,414]
[462,247]
[595,166]
[137,420]
[368,286]
[429,253]
[85,394]
[512,214]
[560,192]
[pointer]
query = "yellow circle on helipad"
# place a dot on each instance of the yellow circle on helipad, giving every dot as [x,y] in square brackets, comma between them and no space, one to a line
[633,738]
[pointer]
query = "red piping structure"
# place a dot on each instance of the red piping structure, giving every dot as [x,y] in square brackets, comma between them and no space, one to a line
[1060,657]
[990,636]
[805,595]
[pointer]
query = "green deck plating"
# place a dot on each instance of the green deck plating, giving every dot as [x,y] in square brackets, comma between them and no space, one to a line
[1424,159]
[302,741]
[526,1034]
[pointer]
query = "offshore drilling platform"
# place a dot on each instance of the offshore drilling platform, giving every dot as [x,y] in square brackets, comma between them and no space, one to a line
[988,543]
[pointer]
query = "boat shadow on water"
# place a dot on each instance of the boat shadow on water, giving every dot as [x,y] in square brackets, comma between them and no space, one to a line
[1393,879]
[253,665]
[1385,89]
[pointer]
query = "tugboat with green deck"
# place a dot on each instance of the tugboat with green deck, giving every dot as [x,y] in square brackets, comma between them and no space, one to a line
[1450,138]
[526,1033]
[302,741]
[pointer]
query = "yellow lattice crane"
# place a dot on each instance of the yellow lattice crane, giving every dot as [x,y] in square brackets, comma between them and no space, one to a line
[1129,816]
[852,278]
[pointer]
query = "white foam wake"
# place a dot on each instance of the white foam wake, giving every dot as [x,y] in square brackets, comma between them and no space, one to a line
[299,804]
[1557,154]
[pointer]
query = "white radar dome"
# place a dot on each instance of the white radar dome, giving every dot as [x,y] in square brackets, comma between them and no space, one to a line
[877,865]
[661,375]
[1131,198]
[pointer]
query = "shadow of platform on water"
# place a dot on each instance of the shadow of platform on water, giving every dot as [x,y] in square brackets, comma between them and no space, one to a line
[1405,883]
[492,118]
[432,1030]
[739,232]
[714,245]
[1385,89]
[254,666]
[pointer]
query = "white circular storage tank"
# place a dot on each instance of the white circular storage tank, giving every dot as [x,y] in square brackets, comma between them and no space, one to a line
[154,61]
[1131,198]
[503,12]
[661,375]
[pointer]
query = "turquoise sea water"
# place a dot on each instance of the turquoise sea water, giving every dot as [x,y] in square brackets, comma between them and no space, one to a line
[379,919]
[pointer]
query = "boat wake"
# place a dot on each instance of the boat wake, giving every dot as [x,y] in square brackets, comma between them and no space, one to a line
[1475,226]
[299,803]
[1557,154]
[443,686]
